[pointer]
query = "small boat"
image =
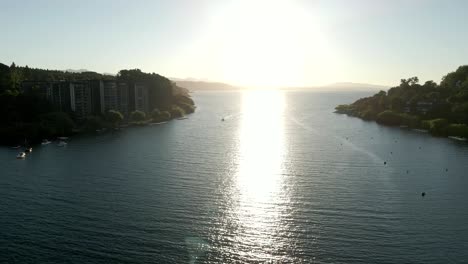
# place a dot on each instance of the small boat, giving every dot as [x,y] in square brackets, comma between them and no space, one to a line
[457,138]
[46,142]
[63,138]
[222,119]
[157,123]
[62,143]
[16,147]
[182,118]
[21,155]
[28,150]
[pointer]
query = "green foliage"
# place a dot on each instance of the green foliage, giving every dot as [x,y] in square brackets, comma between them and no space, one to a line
[165,116]
[114,117]
[390,118]
[176,111]
[185,103]
[410,102]
[93,123]
[457,79]
[57,124]
[155,114]
[437,127]
[160,92]
[344,109]
[460,112]
[160,116]
[187,108]
[410,120]
[137,116]
[458,130]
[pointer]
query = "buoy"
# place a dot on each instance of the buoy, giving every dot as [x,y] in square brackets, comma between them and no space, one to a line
[446,169]
[391,152]
[423,194]
[385,163]
[407,171]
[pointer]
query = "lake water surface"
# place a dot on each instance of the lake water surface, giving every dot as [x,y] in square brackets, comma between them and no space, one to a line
[281,180]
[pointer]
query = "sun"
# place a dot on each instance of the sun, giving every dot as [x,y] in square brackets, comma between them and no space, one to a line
[268,43]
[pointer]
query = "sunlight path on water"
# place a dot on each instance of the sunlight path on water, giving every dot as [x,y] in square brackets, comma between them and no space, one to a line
[258,188]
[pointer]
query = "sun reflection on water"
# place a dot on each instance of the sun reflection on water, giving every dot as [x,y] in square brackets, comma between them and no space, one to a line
[259,175]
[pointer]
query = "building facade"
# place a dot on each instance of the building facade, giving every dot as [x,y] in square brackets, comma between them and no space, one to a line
[141,98]
[81,103]
[93,97]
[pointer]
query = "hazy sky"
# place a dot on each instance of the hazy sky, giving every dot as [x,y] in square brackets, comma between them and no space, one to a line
[258,43]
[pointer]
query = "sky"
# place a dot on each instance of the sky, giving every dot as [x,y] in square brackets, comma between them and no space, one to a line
[242,42]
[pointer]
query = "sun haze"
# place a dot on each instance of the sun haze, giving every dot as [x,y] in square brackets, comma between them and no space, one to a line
[256,43]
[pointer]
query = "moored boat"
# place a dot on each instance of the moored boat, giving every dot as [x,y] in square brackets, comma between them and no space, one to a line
[21,155]
[457,138]
[62,143]
[46,142]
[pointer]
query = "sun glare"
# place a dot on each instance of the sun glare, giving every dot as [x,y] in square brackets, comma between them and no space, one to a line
[260,172]
[269,44]
[261,143]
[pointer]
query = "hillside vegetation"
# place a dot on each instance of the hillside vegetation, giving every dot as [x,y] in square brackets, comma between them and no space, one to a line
[440,108]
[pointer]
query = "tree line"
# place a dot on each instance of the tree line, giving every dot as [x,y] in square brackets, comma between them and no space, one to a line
[440,108]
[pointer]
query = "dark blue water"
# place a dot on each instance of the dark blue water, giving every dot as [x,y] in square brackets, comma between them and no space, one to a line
[283,179]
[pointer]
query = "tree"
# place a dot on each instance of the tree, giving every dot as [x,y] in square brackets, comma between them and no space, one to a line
[93,123]
[165,116]
[413,80]
[155,114]
[138,116]
[114,117]
[176,111]
[16,77]
[57,124]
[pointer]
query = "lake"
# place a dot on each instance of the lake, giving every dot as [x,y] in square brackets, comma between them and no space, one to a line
[281,180]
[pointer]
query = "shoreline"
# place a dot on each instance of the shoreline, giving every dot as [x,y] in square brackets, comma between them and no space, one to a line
[101,131]
[419,128]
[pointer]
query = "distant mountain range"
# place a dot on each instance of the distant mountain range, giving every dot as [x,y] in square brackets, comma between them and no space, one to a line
[85,70]
[197,85]
[346,86]
[77,71]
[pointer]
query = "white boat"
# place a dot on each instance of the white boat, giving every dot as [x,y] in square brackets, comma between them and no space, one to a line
[457,138]
[16,147]
[21,155]
[63,138]
[28,150]
[62,144]
[182,118]
[157,123]
[46,142]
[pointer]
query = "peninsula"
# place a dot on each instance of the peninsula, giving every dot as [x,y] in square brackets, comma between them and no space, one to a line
[441,109]
[38,104]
